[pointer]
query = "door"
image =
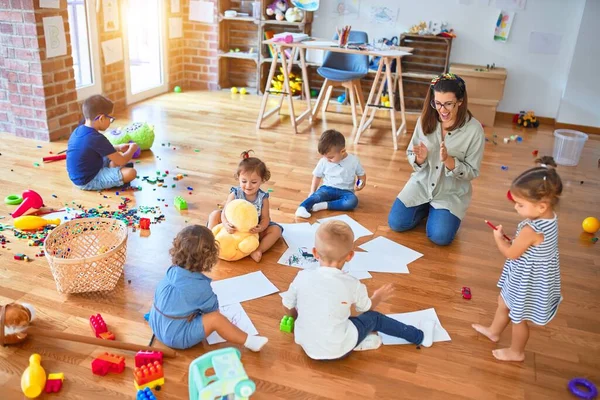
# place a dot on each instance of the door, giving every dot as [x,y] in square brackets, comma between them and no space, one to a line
[145,49]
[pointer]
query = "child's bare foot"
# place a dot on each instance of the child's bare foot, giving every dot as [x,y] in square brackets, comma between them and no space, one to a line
[487,332]
[508,354]
[256,255]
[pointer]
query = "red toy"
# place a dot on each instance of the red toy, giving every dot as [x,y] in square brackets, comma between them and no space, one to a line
[31,200]
[55,158]
[148,357]
[148,373]
[144,223]
[54,383]
[98,325]
[106,363]
[107,336]
[466,293]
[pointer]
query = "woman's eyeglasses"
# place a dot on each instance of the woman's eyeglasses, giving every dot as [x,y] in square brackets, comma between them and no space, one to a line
[437,105]
[111,119]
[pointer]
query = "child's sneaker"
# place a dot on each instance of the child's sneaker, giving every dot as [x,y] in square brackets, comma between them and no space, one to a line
[371,342]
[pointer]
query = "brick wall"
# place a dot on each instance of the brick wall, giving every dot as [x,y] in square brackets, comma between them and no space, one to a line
[200,53]
[38,98]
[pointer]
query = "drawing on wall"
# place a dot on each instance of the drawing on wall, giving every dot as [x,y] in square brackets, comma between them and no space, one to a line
[112,51]
[110,9]
[347,8]
[382,15]
[54,33]
[503,25]
[511,4]
[175,6]
[299,257]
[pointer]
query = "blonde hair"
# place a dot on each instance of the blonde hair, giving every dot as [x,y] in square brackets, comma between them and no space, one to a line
[334,240]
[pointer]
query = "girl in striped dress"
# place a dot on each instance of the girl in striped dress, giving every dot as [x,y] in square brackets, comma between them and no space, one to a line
[530,281]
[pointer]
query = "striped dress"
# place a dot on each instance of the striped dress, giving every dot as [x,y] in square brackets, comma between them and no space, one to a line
[530,285]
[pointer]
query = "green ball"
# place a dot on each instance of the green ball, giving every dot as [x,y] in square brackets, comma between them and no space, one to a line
[313,93]
[177,89]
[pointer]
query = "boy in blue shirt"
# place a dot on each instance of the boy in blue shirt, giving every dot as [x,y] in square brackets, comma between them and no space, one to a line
[92,162]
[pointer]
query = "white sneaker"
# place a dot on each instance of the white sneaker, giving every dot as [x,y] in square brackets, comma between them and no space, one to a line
[371,342]
[302,213]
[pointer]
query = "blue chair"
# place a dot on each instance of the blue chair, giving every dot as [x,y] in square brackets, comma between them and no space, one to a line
[344,70]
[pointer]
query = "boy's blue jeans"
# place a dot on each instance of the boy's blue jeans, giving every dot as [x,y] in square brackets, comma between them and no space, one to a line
[373,321]
[337,199]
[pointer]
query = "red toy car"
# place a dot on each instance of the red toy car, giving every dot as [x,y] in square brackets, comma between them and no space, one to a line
[466,293]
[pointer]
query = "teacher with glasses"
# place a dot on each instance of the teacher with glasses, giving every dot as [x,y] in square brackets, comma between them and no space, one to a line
[445,153]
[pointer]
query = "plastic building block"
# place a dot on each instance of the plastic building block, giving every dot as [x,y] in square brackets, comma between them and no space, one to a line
[466,293]
[145,394]
[180,203]
[98,325]
[287,324]
[19,256]
[147,373]
[107,335]
[148,357]
[144,223]
[106,363]
[54,382]
[155,384]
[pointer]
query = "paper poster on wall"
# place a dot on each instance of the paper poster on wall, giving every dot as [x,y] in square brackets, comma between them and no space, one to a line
[544,43]
[503,25]
[112,51]
[202,11]
[347,9]
[382,15]
[54,33]
[511,4]
[110,10]
[175,6]
[49,3]
[175,28]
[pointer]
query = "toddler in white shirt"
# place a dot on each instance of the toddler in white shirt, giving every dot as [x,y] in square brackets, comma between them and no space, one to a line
[320,300]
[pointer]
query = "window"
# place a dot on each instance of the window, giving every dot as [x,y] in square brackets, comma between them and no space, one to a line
[84,46]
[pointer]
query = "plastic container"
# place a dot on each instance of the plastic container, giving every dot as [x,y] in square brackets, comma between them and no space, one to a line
[568,145]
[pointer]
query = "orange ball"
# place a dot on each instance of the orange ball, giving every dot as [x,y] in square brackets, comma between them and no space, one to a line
[591,225]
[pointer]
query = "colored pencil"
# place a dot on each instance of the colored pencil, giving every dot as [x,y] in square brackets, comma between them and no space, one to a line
[494,228]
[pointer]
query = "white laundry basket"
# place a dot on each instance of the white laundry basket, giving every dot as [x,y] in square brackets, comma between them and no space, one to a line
[568,145]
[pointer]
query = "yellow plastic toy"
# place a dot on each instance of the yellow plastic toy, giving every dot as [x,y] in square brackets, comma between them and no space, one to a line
[295,83]
[33,380]
[243,91]
[235,246]
[234,90]
[33,223]
[591,225]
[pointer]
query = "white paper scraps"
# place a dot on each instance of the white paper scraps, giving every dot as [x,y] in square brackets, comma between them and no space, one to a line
[236,314]
[415,319]
[243,288]
[358,229]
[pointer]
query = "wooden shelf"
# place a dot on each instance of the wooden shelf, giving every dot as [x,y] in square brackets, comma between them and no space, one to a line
[270,60]
[244,19]
[284,23]
[240,55]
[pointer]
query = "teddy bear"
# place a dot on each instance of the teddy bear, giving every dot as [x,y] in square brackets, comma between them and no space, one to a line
[235,246]
[277,9]
[14,321]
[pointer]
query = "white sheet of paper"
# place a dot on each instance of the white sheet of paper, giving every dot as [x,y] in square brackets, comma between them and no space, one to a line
[54,33]
[320,43]
[357,274]
[544,43]
[358,229]
[175,6]
[112,51]
[69,214]
[175,28]
[49,3]
[110,10]
[376,262]
[511,4]
[392,53]
[202,11]
[293,257]
[389,248]
[300,235]
[415,319]
[238,317]
[243,288]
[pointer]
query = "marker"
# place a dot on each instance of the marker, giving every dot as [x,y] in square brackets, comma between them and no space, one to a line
[494,228]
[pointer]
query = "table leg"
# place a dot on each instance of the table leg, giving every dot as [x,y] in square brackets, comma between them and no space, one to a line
[377,102]
[361,127]
[263,104]
[305,82]
[287,88]
[402,128]
[390,83]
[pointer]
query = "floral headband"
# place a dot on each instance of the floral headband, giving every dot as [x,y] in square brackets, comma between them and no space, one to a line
[449,77]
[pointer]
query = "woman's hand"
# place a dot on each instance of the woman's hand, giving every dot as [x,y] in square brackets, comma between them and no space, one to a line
[443,152]
[420,153]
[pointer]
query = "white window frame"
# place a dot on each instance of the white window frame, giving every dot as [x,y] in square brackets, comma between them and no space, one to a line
[95,88]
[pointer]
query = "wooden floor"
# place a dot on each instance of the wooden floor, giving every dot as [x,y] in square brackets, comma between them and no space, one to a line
[221,126]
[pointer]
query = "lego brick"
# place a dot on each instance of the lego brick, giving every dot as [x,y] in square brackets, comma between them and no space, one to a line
[107,336]
[53,385]
[152,384]
[287,324]
[98,325]
[58,375]
[144,223]
[148,357]
[145,394]
[180,203]
[148,373]
[103,367]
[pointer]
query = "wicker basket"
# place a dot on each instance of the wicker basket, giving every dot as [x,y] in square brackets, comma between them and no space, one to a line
[87,255]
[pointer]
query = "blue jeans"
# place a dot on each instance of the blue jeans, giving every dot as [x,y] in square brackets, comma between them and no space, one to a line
[337,199]
[442,225]
[373,321]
